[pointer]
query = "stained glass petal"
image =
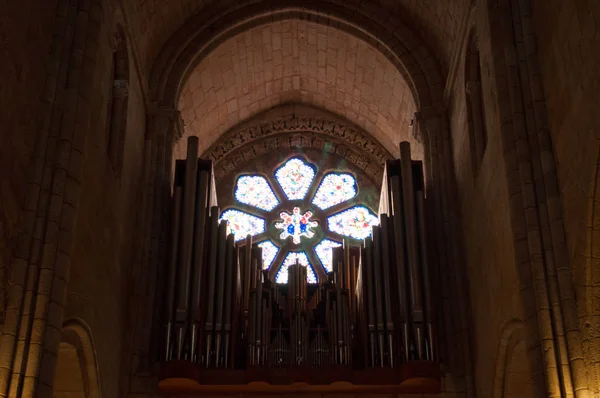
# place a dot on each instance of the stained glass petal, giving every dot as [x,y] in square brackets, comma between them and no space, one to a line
[295,177]
[282,274]
[255,191]
[355,222]
[269,251]
[334,188]
[324,252]
[242,224]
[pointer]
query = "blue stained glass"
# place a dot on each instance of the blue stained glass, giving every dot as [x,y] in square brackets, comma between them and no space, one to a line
[255,191]
[290,259]
[242,224]
[295,177]
[324,252]
[269,252]
[334,189]
[296,225]
[355,222]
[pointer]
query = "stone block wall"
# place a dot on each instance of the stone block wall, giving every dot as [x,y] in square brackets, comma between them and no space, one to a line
[567,39]
[100,290]
[25,40]
[491,274]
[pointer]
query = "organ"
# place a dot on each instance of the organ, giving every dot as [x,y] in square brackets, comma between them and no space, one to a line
[227,327]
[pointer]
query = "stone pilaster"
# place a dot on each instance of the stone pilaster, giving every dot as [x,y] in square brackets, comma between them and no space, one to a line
[554,340]
[163,128]
[40,267]
[442,204]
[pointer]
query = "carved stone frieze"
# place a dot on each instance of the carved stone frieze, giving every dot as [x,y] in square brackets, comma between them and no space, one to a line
[332,131]
[356,156]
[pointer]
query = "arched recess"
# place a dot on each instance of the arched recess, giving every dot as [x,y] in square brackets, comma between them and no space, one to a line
[208,29]
[411,58]
[513,377]
[76,367]
[474,102]
[118,101]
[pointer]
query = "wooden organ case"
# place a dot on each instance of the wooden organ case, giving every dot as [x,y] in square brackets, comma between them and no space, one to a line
[226,328]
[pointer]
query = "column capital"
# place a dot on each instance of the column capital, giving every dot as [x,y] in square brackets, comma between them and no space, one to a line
[164,120]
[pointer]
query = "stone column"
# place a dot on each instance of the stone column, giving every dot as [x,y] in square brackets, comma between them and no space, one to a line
[41,263]
[164,127]
[540,248]
[445,220]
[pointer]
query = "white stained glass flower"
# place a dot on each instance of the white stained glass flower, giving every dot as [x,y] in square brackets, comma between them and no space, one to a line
[242,224]
[290,259]
[296,225]
[295,177]
[325,253]
[334,189]
[355,222]
[269,252]
[255,191]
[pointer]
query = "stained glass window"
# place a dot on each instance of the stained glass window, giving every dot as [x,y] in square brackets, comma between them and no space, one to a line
[324,252]
[255,191]
[334,188]
[355,222]
[269,251]
[290,259]
[296,225]
[242,224]
[317,233]
[295,177]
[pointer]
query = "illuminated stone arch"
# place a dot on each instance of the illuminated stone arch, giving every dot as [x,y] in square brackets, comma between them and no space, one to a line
[513,378]
[77,374]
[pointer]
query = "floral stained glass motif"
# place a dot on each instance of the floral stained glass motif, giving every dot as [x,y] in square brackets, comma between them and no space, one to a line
[355,222]
[334,188]
[296,225]
[242,224]
[295,177]
[255,191]
[269,251]
[290,259]
[324,252]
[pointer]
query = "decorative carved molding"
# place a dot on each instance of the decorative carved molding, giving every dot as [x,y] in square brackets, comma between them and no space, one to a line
[236,158]
[362,143]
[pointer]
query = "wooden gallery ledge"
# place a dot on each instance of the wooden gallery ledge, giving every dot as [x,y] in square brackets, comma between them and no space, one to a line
[182,377]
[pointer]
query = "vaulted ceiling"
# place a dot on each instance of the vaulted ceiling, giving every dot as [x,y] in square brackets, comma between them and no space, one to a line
[307,60]
[297,61]
[437,22]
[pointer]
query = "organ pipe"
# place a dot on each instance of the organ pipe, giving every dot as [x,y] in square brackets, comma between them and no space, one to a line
[374,309]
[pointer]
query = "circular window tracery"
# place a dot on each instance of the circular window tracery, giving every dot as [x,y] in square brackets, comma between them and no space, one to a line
[297,217]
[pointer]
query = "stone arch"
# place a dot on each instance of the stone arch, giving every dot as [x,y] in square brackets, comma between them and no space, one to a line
[372,24]
[118,100]
[513,376]
[209,28]
[77,373]
[303,127]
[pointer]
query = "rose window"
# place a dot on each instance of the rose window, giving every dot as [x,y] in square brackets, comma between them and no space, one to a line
[298,215]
